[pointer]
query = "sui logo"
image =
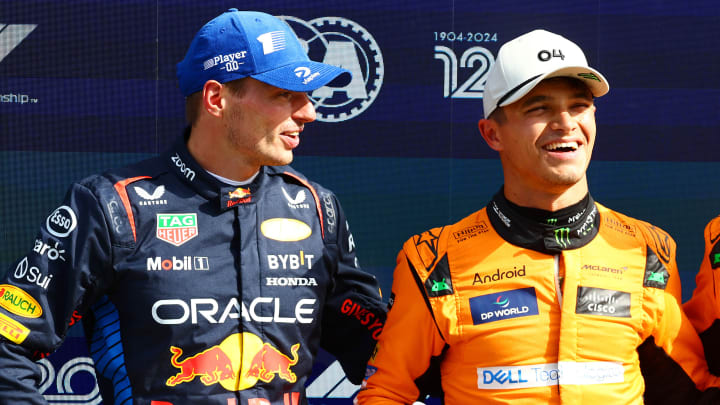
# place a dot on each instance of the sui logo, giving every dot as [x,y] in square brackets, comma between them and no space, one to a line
[341,42]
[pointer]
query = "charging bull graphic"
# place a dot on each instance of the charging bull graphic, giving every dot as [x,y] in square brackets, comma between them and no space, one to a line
[212,365]
[237,363]
[270,361]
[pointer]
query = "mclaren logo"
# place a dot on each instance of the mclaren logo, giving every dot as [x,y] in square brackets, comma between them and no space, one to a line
[11,35]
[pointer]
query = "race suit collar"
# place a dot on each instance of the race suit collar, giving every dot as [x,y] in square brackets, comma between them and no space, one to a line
[183,165]
[544,231]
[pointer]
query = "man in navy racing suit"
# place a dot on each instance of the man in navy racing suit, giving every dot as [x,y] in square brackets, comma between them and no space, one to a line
[210,274]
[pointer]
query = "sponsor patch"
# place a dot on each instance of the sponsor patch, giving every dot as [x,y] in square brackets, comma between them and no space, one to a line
[18,302]
[31,274]
[603,271]
[154,198]
[503,305]
[285,229]
[298,201]
[184,263]
[239,362]
[61,222]
[656,275]
[499,274]
[470,232]
[366,317]
[290,281]
[599,301]
[439,282]
[12,330]
[330,215]
[541,375]
[300,261]
[715,256]
[176,229]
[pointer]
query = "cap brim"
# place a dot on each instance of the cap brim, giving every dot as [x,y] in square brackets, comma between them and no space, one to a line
[305,76]
[595,81]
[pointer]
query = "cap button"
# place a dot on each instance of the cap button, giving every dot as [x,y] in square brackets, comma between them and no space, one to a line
[232,9]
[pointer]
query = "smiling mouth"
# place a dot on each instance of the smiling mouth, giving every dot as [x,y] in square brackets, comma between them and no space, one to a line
[562,147]
[291,139]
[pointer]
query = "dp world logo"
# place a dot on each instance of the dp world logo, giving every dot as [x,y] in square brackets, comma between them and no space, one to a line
[345,43]
[501,302]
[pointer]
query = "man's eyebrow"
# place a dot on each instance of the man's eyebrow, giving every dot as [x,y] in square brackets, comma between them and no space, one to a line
[535,99]
[541,97]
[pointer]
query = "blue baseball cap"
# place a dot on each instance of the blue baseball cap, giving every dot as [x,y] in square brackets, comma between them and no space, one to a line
[239,44]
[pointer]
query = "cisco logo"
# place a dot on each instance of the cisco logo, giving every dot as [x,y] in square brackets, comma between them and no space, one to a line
[345,43]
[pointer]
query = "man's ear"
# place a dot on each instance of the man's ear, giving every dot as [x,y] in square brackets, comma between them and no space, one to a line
[489,130]
[213,101]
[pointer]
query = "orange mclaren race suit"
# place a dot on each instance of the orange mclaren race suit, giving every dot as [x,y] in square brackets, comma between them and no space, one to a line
[703,308]
[520,305]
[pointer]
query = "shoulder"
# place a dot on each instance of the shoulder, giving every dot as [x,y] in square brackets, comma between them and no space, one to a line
[653,236]
[712,229]
[121,176]
[289,175]
[426,249]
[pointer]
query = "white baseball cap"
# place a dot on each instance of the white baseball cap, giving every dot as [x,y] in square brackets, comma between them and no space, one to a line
[526,60]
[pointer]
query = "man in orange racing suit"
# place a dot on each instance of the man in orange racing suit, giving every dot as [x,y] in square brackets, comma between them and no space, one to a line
[543,296]
[703,308]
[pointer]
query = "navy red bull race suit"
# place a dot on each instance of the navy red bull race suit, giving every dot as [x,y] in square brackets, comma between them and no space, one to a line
[517,305]
[191,291]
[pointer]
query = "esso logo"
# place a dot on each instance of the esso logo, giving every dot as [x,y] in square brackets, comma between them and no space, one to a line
[61,222]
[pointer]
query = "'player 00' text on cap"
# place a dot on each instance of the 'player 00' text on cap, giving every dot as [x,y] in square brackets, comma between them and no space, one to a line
[240,44]
[530,58]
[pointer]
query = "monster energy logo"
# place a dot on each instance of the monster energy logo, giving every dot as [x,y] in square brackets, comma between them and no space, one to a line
[588,76]
[552,221]
[439,285]
[717,258]
[562,237]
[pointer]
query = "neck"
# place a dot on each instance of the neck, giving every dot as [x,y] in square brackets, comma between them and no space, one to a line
[548,199]
[213,151]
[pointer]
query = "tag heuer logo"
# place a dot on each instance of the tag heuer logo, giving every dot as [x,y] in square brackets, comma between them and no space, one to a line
[176,229]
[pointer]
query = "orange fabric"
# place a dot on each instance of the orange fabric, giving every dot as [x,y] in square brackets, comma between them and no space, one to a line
[704,307]
[551,348]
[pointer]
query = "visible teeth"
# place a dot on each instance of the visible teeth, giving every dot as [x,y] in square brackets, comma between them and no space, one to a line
[562,145]
[292,133]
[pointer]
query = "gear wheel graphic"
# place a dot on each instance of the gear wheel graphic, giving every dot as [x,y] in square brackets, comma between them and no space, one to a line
[317,35]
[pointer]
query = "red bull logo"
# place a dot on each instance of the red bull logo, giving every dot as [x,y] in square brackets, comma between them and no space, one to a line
[212,365]
[240,195]
[222,364]
[269,362]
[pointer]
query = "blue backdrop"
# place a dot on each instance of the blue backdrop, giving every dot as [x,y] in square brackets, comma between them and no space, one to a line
[86,85]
